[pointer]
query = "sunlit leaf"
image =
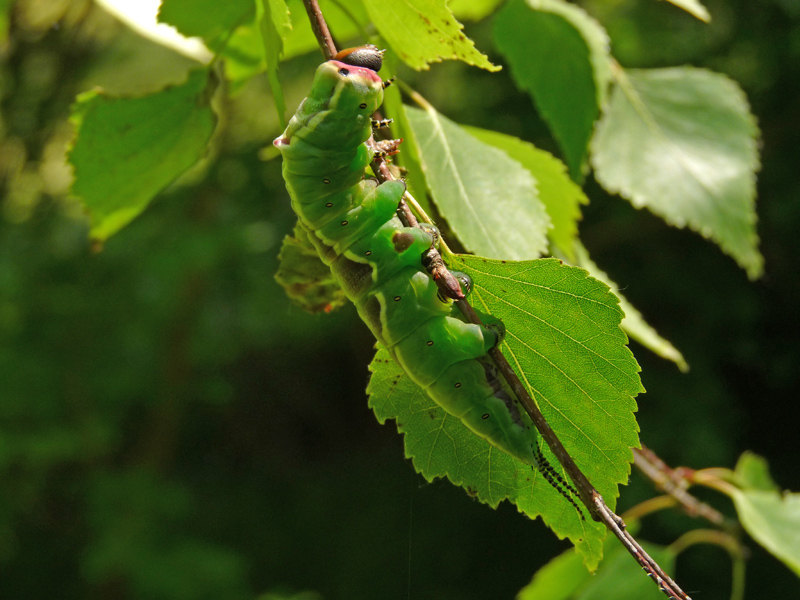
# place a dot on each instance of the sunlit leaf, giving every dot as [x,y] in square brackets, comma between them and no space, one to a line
[424,31]
[559,55]
[473,10]
[210,20]
[489,200]
[564,340]
[770,517]
[682,143]
[559,194]
[128,149]
[346,22]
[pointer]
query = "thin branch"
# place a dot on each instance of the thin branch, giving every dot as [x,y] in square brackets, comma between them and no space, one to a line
[672,482]
[320,29]
[450,287]
[649,506]
[654,572]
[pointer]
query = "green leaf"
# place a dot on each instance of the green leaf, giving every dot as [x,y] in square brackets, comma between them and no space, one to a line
[243,46]
[305,278]
[424,31]
[489,200]
[409,156]
[559,579]
[694,8]
[272,17]
[5,6]
[211,20]
[752,472]
[619,576]
[682,142]
[563,338]
[345,22]
[633,324]
[243,53]
[128,149]
[473,10]
[770,517]
[559,55]
[559,194]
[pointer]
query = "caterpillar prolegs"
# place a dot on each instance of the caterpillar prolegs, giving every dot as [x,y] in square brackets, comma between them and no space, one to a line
[352,222]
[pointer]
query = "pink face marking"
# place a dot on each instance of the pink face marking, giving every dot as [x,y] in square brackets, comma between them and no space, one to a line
[359,71]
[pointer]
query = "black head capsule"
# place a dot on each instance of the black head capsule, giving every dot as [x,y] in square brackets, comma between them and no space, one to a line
[367,56]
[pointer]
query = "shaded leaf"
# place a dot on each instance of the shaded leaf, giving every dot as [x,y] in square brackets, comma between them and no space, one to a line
[409,155]
[770,517]
[559,55]
[307,280]
[128,149]
[564,340]
[5,6]
[559,579]
[633,324]
[489,200]
[559,194]
[424,31]
[752,473]
[272,17]
[682,143]
[619,576]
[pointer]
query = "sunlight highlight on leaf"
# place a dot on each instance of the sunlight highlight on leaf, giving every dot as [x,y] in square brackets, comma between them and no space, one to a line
[683,143]
[127,150]
[424,31]
[489,200]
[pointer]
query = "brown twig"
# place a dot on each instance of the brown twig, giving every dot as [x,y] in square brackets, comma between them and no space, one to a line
[673,483]
[445,280]
[320,28]
[654,572]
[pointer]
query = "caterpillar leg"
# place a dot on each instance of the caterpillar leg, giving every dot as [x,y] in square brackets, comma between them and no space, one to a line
[376,124]
[386,148]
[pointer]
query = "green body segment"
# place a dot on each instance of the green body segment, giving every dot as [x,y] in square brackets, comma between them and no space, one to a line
[378,262]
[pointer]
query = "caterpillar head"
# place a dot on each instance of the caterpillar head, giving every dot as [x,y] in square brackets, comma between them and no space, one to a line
[362,56]
[338,110]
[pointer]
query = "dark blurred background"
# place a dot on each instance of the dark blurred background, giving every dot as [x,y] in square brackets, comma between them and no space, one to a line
[171,427]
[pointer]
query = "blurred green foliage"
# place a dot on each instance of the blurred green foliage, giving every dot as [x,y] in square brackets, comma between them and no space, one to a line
[171,427]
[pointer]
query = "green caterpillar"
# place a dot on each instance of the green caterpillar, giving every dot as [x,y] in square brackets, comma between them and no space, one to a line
[352,222]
